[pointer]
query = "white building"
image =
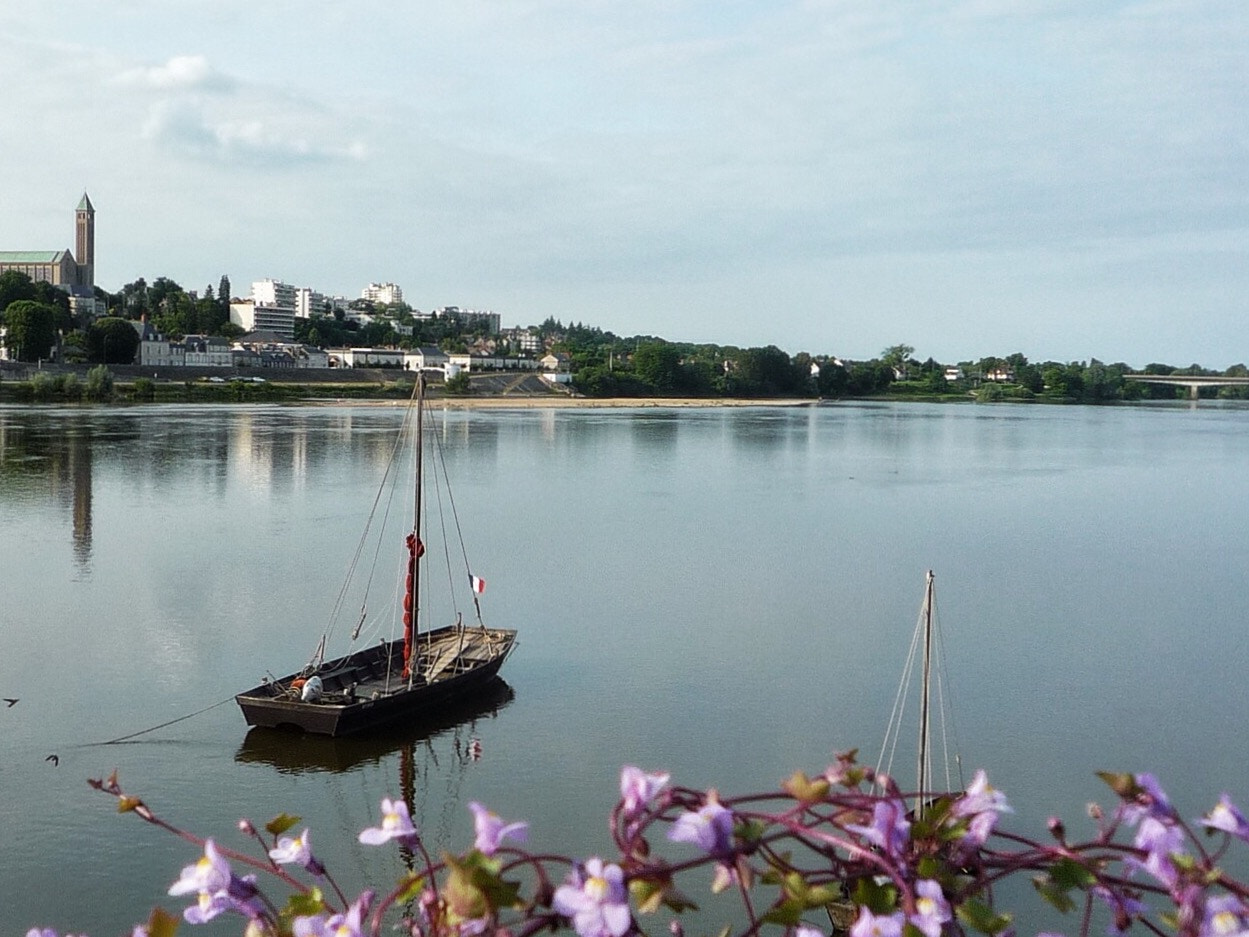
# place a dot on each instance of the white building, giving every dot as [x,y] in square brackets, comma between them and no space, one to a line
[430,356]
[309,303]
[387,293]
[252,317]
[366,357]
[273,293]
[207,351]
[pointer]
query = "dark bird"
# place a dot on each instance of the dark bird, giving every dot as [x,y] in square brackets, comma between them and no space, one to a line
[11,702]
[55,760]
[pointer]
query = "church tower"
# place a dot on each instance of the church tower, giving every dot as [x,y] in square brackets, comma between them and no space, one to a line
[84,247]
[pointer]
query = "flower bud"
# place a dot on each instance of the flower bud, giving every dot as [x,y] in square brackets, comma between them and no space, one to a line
[1056,828]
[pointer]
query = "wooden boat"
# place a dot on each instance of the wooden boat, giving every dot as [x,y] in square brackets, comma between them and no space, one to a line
[304,753]
[409,677]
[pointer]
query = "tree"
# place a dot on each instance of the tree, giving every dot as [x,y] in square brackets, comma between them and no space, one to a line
[163,288]
[112,341]
[658,364]
[31,329]
[15,285]
[833,379]
[896,356]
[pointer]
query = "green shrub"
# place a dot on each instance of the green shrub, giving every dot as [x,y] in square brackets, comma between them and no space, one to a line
[99,383]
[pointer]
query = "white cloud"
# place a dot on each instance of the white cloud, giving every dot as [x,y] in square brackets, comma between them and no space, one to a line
[185,127]
[179,72]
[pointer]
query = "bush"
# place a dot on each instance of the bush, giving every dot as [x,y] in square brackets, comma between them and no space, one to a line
[43,386]
[71,387]
[99,383]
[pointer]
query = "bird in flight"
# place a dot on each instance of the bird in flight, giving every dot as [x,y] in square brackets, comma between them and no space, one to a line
[12,702]
[54,759]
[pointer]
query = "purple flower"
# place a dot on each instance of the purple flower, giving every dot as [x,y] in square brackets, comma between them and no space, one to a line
[710,827]
[349,924]
[890,829]
[396,824]
[1226,817]
[215,885]
[638,789]
[1224,917]
[595,899]
[981,803]
[871,925]
[806,930]
[1150,800]
[296,850]
[491,830]
[931,908]
[1160,840]
[980,797]
[1123,907]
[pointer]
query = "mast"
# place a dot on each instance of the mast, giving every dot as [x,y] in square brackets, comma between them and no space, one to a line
[921,773]
[415,547]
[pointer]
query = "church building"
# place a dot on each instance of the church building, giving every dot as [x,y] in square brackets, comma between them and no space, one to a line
[72,272]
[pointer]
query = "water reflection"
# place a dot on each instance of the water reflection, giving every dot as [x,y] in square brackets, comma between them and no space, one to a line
[53,459]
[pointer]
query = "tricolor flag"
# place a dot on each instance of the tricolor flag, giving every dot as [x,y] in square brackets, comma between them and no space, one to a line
[479,584]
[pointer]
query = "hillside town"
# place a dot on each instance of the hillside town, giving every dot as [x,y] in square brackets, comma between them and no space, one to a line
[52,311]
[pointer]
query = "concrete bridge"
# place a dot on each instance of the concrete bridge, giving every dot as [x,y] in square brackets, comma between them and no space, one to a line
[1194,382]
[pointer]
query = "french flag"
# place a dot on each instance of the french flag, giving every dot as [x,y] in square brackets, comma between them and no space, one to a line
[479,584]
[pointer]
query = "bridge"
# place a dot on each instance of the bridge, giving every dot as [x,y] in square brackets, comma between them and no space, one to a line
[1194,382]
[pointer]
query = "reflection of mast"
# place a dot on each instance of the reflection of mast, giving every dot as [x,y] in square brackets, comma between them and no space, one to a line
[80,474]
[407,791]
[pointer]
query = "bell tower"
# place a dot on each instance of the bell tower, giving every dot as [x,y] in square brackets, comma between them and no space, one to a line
[84,244]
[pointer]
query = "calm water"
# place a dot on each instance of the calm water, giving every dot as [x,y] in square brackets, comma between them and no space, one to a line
[727,594]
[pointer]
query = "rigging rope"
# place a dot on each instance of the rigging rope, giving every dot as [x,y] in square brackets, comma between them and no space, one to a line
[459,533]
[133,735]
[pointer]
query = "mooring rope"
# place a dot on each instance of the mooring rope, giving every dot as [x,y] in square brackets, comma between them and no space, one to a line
[133,735]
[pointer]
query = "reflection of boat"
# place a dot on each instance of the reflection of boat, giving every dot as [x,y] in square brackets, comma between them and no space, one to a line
[400,678]
[301,754]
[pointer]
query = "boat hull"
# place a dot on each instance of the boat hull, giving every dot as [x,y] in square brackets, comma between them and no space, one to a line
[365,690]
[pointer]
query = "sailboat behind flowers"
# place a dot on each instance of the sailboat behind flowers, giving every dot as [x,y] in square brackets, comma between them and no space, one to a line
[405,677]
[926,652]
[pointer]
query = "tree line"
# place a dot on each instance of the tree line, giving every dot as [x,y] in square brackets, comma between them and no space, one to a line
[37,316]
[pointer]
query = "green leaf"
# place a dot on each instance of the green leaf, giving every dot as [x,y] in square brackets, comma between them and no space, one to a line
[1054,893]
[410,888]
[979,916]
[1067,873]
[281,823]
[787,913]
[161,924]
[302,904]
[1120,782]
[806,790]
[750,831]
[877,898]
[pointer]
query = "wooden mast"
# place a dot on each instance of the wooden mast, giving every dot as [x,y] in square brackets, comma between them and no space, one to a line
[921,774]
[415,547]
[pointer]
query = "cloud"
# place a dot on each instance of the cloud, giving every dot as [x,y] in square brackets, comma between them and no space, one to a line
[186,127]
[179,72]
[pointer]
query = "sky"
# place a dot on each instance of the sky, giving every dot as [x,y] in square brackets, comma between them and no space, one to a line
[1067,179]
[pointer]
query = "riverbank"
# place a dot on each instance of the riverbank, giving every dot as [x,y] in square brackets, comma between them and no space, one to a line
[560,401]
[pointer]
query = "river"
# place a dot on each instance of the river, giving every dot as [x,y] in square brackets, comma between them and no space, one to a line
[727,594]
